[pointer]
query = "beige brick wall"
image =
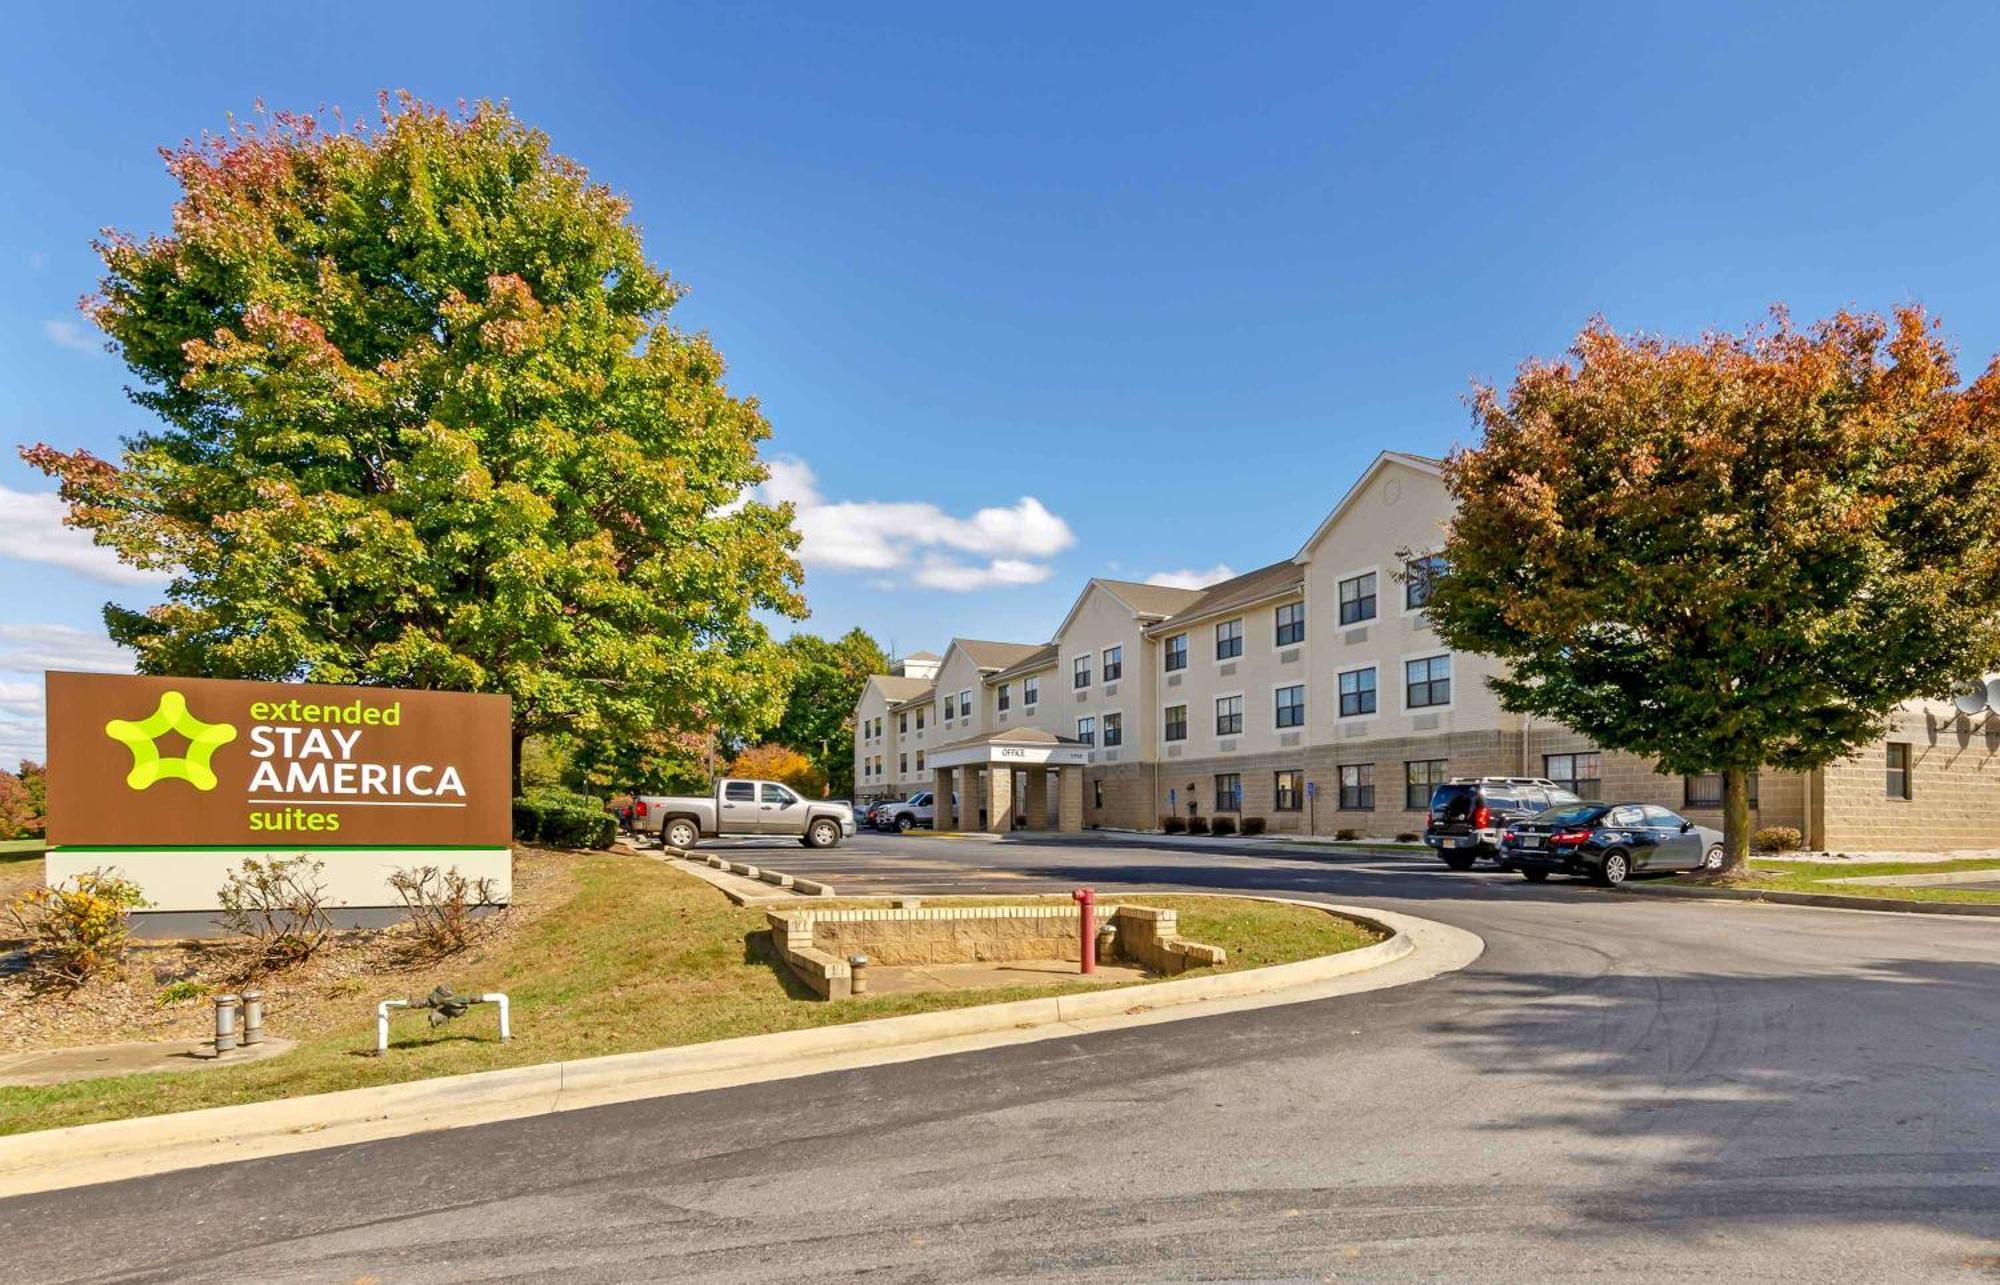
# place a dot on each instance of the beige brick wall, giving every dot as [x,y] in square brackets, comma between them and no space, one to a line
[1955,790]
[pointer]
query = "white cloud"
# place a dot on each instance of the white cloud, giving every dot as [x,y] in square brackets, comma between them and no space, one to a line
[33,648]
[75,337]
[954,576]
[1009,545]
[26,650]
[32,530]
[1189,578]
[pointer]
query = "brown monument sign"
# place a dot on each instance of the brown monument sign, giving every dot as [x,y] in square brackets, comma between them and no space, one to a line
[150,763]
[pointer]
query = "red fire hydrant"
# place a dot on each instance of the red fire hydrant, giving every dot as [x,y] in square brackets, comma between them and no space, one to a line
[1086,905]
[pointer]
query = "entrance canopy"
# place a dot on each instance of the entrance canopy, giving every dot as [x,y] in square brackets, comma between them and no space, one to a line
[1015,747]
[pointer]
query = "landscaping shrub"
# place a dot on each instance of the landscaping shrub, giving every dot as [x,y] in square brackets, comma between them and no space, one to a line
[1197,825]
[80,926]
[1347,834]
[1223,826]
[1777,838]
[1253,826]
[559,819]
[442,906]
[279,906]
[1173,825]
[1409,836]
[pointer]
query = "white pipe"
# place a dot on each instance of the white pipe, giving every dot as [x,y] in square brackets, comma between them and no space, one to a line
[382,1023]
[499,998]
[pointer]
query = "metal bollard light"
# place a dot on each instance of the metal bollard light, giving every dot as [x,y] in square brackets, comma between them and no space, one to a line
[253,1018]
[858,964]
[225,1023]
[1086,910]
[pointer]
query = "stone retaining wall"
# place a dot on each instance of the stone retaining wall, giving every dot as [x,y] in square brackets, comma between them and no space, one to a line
[816,944]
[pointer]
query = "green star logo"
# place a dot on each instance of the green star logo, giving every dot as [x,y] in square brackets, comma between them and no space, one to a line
[142,738]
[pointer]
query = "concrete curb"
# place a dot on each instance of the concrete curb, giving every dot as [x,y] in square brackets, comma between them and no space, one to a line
[55,1159]
[1822,901]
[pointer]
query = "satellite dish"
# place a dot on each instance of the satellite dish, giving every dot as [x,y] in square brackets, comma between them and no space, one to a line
[1993,692]
[1971,698]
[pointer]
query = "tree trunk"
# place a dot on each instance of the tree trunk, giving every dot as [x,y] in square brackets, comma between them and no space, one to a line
[520,738]
[1735,821]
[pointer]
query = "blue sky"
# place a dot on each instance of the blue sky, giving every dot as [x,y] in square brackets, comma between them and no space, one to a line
[1037,293]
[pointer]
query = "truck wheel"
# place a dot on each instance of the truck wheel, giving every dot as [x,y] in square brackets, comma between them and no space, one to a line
[1458,860]
[905,823]
[680,833]
[823,834]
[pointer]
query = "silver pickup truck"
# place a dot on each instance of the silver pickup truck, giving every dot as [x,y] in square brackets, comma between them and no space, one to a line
[743,809]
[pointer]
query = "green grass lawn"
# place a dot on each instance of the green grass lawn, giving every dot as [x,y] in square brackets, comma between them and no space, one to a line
[1813,877]
[21,849]
[635,956]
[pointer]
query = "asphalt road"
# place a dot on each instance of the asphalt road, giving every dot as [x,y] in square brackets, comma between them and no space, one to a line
[1619,1086]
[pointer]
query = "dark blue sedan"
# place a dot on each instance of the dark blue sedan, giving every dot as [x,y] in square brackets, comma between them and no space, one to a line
[1608,842]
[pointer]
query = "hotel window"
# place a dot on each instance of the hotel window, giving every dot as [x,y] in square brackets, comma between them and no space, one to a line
[903,723]
[1174,723]
[1291,624]
[1004,701]
[1114,730]
[1086,730]
[1228,792]
[1420,778]
[1357,692]
[1031,691]
[1899,770]
[920,720]
[902,765]
[920,761]
[965,703]
[1427,682]
[1114,664]
[1080,671]
[1292,706]
[1705,791]
[1288,790]
[1228,715]
[1097,794]
[1229,640]
[1580,774]
[1357,599]
[1418,574]
[1357,787]
[950,708]
[1176,652]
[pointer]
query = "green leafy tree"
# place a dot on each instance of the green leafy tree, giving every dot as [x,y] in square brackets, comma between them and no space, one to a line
[827,678]
[1739,552]
[425,423]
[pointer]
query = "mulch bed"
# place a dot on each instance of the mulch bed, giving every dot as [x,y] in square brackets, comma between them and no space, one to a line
[353,968]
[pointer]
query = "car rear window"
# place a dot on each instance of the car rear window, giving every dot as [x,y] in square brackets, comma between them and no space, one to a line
[1584,815]
[1454,802]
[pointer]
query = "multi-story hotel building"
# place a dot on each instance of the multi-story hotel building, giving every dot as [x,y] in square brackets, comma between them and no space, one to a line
[1312,693]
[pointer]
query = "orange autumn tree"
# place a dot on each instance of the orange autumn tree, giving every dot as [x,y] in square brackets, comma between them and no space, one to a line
[783,764]
[1739,552]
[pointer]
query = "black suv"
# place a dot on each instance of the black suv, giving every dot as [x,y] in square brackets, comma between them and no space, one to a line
[1468,815]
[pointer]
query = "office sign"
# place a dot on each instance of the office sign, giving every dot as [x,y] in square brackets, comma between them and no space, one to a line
[149,765]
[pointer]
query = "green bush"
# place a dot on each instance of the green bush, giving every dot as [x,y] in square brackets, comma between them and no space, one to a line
[1777,838]
[1173,825]
[1348,834]
[1253,826]
[1223,825]
[1409,836]
[1197,825]
[559,819]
